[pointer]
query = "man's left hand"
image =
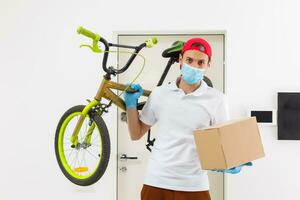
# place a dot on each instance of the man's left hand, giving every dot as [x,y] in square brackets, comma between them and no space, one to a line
[233,170]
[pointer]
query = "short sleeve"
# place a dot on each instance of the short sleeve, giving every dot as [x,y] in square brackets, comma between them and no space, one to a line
[147,114]
[221,112]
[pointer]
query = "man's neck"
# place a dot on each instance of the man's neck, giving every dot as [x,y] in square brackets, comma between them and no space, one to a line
[186,87]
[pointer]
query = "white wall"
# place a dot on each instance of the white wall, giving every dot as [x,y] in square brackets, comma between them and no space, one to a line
[43,72]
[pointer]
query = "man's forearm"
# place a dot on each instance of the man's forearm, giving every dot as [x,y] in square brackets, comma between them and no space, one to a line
[134,125]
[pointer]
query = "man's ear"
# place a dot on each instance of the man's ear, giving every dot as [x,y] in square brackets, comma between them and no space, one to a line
[180,57]
[180,60]
[208,64]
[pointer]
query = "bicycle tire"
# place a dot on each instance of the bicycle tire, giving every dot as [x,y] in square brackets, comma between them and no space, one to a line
[105,148]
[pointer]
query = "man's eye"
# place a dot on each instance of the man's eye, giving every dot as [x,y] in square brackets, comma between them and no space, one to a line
[189,60]
[201,62]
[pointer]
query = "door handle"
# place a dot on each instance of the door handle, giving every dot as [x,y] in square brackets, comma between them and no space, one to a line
[125,157]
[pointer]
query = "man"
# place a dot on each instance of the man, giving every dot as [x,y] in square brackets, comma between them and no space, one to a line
[187,103]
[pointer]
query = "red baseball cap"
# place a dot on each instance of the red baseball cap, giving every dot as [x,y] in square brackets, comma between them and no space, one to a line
[204,46]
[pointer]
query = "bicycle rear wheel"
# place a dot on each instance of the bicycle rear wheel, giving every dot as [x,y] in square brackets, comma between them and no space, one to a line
[85,163]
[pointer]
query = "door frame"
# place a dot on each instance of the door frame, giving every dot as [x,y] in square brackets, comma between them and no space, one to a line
[115,38]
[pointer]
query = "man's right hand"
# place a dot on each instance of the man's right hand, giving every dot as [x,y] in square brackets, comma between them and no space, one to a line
[131,98]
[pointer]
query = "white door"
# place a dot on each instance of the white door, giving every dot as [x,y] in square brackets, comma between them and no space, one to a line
[131,171]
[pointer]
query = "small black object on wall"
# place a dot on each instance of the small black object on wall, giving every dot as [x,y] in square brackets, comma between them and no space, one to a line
[288,116]
[262,116]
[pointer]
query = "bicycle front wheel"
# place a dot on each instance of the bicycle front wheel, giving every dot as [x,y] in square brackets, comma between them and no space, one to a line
[83,163]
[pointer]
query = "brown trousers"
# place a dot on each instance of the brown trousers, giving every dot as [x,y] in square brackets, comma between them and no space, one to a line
[154,193]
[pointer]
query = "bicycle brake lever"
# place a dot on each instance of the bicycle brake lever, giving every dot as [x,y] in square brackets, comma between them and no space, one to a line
[94,49]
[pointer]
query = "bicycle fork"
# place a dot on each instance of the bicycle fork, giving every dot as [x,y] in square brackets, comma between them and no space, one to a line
[87,140]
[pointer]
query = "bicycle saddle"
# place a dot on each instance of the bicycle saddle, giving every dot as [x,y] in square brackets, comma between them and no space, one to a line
[174,50]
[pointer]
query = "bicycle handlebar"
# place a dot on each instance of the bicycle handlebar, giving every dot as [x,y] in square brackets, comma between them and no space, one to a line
[148,43]
[87,33]
[151,42]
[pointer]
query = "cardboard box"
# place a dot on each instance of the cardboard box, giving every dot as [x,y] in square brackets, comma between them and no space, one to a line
[229,144]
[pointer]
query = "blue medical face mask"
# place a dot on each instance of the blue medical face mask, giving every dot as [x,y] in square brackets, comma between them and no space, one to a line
[191,75]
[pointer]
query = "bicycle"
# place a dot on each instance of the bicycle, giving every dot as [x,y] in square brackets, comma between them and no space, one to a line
[81,130]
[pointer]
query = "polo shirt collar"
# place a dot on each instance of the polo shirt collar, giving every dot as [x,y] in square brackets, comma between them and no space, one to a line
[173,86]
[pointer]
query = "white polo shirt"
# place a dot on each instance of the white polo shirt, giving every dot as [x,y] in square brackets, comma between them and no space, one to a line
[174,163]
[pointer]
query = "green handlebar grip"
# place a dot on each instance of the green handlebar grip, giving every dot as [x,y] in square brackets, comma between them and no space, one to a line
[151,42]
[87,33]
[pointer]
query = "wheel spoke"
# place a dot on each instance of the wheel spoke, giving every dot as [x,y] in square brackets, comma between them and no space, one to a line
[69,149]
[94,136]
[95,144]
[92,154]
[70,154]
[84,161]
[71,164]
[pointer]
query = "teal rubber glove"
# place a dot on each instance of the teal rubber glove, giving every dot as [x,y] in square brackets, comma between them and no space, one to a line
[234,170]
[131,98]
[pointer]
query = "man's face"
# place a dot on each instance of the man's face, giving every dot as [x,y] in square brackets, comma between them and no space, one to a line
[195,58]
